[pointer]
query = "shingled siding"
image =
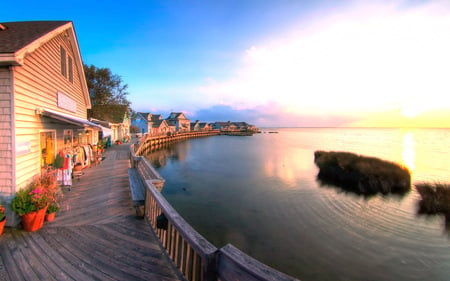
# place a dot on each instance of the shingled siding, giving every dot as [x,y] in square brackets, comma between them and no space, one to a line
[36,84]
[6,140]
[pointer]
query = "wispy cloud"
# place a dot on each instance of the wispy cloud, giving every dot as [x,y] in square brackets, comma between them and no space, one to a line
[356,60]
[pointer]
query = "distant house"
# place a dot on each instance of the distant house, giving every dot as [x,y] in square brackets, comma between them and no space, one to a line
[153,124]
[179,121]
[157,125]
[244,126]
[195,126]
[222,126]
[43,101]
[200,126]
[141,122]
[204,126]
[118,118]
[234,126]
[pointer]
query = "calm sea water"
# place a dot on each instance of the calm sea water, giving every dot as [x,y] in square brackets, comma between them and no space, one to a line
[260,193]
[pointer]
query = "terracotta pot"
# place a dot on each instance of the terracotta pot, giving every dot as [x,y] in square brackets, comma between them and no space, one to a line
[34,220]
[78,168]
[2,226]
[50,217]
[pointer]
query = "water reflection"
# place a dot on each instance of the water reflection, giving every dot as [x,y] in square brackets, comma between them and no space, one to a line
[160,154]
[408,151]
[261,195]
[288,166]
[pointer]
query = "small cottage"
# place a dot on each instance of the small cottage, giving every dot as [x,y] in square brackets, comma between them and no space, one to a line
[179,121]
[140,121]
[152,124]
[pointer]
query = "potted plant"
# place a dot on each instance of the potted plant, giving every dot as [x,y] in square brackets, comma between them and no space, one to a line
[52,208]
[54,194]
[2,219]
[31,202]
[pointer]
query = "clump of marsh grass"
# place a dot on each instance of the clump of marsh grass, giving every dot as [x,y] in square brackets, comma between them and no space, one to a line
[362,174]
[435,197]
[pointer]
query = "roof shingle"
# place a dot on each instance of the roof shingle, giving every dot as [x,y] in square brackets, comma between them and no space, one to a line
[19,34]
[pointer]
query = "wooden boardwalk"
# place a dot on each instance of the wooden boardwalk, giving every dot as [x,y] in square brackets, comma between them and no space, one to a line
[96,235]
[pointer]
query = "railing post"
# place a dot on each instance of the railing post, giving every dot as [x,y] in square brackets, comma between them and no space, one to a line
[210,267]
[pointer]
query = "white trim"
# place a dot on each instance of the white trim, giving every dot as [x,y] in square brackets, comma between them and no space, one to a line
[66,118]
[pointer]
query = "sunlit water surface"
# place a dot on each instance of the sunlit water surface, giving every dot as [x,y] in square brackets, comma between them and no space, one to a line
[260,193]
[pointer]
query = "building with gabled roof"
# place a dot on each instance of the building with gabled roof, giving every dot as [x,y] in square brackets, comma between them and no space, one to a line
[180,121]
[43,101]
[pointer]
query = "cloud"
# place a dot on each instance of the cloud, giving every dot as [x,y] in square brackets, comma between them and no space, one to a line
[270,115]
[362,59]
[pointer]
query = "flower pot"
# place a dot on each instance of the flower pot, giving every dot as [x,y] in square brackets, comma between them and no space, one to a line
[34,220]
[2,226]
[50,217]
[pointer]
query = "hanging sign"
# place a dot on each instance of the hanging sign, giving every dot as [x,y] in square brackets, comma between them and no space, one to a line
[23,147]
[66,102]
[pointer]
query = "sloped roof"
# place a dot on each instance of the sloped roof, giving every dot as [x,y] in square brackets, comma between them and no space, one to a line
[177,116]
[17,39]
[144,115]
[158,123]
[17,35]
[156,117]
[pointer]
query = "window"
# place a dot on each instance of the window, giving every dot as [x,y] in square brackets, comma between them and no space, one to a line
[66,65]
[69,62]
[63,62]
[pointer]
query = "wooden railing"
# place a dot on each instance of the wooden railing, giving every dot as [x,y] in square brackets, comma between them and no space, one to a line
[148,142]
[195,256]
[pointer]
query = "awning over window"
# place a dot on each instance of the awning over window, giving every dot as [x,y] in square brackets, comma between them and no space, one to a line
[66,118]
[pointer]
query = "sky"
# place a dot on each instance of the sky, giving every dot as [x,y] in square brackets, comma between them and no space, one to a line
[277,63]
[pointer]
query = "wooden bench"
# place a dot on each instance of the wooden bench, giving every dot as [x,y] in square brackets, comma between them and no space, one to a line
[137,189]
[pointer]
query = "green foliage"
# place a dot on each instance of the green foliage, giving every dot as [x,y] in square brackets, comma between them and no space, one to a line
[366,175]
[435,197]
[2,213]
[53,208]
[105,88]
[41,191]
[134,129]
[22,203]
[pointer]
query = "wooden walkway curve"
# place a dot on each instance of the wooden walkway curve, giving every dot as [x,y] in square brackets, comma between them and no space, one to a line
[96,235]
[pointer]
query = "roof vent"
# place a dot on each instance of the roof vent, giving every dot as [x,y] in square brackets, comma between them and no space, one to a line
[2,27]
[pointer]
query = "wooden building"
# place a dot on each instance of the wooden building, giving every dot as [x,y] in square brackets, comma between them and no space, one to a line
[152,124]
[180,121]
[43,101]
[141,120]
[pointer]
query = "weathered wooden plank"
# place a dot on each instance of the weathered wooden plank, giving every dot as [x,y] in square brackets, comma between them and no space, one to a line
[30,260]
[94,237]
[236,265]
[51,261]
[137,187]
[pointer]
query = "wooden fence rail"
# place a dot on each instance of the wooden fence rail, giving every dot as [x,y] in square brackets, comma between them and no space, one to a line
[195,256]
[148,142]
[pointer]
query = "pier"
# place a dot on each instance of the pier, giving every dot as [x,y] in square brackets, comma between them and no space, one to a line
[95,235]
[98,236]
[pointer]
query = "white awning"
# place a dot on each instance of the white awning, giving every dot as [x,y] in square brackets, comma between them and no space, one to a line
[106,131]
[66,118]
